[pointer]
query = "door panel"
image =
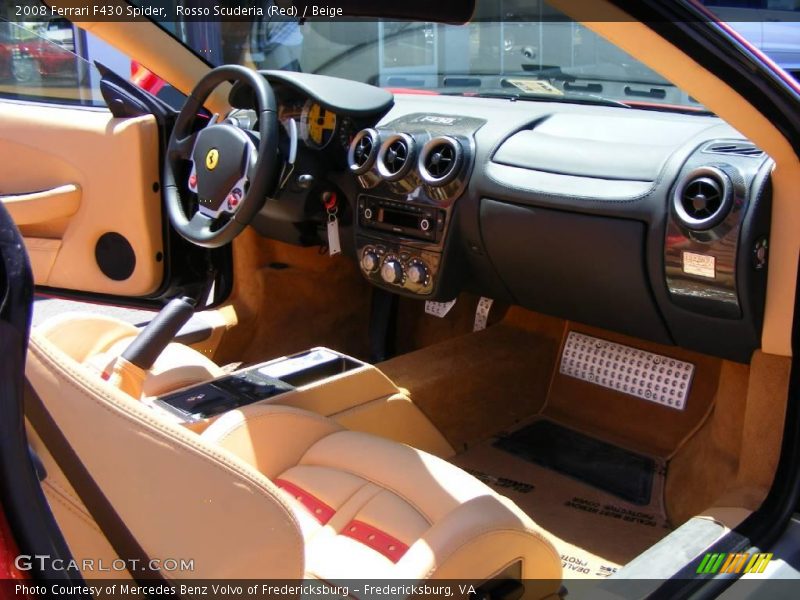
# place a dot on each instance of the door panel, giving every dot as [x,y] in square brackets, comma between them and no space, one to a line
[71,177]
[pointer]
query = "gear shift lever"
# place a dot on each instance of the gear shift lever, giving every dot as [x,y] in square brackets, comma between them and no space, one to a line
[151,341]
[130,369]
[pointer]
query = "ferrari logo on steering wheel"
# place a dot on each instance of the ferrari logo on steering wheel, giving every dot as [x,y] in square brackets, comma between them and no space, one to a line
[212,159]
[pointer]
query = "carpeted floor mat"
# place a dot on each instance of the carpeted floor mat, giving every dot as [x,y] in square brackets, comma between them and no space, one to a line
[620,472]
[594,531]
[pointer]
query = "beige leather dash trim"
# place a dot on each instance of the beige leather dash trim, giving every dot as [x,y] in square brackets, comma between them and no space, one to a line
[38,207]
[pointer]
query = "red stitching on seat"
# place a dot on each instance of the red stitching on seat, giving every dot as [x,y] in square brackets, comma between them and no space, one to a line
[374,538]
[318,509]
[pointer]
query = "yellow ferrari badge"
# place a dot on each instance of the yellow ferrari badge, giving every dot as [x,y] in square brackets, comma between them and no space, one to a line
[212,158]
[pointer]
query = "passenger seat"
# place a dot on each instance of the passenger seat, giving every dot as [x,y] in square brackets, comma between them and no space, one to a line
[272,492]
[370,507]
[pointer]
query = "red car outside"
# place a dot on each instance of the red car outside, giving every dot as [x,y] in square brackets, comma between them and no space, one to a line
[26,61]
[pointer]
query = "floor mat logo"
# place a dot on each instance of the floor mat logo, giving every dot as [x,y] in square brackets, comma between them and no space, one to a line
[502,482]
[580,565]
[725,562]
[609,510]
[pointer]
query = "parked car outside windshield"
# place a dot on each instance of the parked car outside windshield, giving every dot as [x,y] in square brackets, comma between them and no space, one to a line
[512,47]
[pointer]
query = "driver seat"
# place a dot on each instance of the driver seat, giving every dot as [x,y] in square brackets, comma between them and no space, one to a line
[272,492]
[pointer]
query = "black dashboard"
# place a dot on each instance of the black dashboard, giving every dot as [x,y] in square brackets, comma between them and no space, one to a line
[654,224]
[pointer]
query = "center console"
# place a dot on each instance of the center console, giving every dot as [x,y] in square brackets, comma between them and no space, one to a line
[411,172]
[207,400]
[355,394]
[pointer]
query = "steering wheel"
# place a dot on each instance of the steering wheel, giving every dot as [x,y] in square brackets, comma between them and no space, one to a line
[232,171]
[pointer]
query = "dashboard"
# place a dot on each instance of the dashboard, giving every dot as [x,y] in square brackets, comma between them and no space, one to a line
[654,224]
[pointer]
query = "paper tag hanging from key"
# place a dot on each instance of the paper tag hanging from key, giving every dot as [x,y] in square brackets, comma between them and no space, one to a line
[331,207]
[334,246]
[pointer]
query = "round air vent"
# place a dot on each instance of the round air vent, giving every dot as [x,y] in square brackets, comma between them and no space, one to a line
[703,199]
[396,156]
[440,161]
[363,151]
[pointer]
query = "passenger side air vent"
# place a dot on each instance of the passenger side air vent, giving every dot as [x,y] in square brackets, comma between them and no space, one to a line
[396,157]
[735,147]
[703,199]
[363,151]
[440,161]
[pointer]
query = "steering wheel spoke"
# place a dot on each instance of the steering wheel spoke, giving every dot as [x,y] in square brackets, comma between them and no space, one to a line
[200,223]
[182,148]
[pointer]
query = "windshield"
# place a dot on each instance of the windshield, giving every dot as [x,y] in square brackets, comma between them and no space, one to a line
[521,48]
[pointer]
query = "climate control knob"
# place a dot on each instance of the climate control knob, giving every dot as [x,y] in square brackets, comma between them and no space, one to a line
[417,273]
[369,261]
[392,271]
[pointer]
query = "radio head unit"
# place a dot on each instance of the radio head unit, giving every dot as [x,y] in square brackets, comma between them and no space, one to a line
[408,220]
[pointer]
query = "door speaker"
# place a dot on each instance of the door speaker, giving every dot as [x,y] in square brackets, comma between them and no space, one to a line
[115,256]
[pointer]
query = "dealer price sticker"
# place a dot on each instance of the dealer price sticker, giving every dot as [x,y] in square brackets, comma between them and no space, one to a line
[701,265]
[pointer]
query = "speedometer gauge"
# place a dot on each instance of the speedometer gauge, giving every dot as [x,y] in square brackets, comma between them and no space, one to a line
[318,124]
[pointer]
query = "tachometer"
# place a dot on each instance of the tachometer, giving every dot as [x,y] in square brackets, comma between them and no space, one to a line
[318,125]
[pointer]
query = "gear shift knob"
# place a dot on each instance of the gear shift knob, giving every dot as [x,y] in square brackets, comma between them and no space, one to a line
[151,341]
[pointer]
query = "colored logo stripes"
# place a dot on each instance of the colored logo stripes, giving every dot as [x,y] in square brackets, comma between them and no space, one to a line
[742,562]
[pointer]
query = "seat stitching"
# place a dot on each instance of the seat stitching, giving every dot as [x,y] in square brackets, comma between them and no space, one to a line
[350,497]
[70,505]
[411,503]
[63,490]
[266,415]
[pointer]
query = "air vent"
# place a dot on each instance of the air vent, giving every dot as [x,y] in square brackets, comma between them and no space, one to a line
[440,161]
[363,150]
[734,147]
[703,199]
[396,156]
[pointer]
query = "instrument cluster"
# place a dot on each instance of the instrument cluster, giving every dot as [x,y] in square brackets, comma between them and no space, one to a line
[317,127]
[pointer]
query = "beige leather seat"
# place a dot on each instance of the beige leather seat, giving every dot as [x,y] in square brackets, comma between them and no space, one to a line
[275,492]
[367,505]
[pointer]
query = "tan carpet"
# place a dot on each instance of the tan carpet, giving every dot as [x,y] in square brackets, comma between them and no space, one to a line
[289,299]
[595,532]
[475,385]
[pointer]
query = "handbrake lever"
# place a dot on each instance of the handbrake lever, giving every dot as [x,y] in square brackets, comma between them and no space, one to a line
[130,369]
[158,333]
